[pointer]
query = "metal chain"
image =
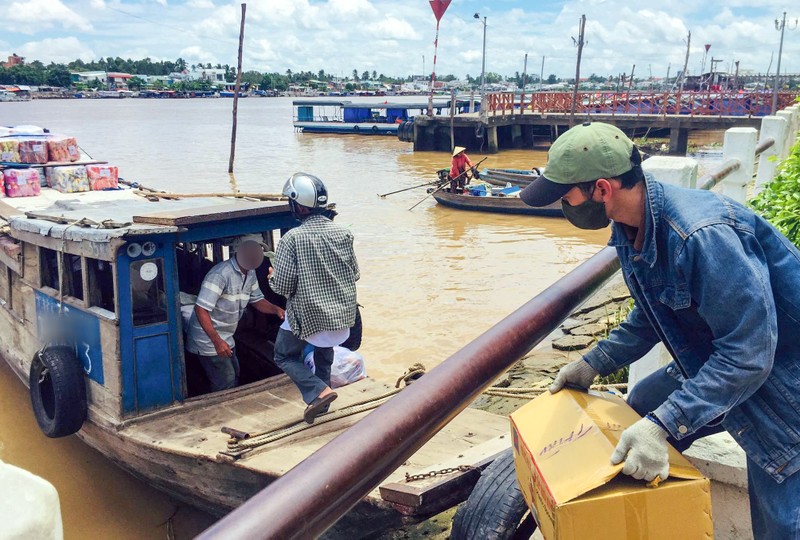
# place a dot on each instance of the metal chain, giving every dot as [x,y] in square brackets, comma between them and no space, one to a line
[432,474]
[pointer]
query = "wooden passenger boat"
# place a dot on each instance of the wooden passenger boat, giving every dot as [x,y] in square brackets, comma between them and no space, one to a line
[494,204]
[114,268]
[361,118]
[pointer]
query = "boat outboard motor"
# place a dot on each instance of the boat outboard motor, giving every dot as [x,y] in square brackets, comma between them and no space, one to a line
[306,190]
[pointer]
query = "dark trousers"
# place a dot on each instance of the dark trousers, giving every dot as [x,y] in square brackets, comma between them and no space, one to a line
[289,357]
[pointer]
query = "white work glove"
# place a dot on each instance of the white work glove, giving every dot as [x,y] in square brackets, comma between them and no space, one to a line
[643,447]
[578,373]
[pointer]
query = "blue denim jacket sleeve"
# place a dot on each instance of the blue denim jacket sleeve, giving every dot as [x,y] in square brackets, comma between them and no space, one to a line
[729,283]
[625,344]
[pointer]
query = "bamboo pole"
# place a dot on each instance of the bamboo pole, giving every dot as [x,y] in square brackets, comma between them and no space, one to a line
[236,91]
[238,195]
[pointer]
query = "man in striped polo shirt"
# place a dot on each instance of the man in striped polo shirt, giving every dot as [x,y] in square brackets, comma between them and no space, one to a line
[226,292]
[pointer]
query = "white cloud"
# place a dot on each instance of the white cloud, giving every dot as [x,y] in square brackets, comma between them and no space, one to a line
[56,50]
[194,54]
[30,16]
[392,36]
[393,28]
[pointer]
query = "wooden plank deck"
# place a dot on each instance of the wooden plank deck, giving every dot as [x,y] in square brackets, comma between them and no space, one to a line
[194,430]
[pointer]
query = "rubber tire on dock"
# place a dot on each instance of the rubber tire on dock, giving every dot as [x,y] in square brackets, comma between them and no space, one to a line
[353,342]
[495,509]
[58,391]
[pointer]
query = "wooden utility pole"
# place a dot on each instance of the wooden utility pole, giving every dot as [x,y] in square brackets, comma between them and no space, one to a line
[452,117]
[579,43]
[686,61]
[236,93]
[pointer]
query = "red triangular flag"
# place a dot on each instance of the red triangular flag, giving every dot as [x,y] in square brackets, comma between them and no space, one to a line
[439,7]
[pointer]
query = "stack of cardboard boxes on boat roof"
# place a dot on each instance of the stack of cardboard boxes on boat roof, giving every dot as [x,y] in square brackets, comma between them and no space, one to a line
[32,158]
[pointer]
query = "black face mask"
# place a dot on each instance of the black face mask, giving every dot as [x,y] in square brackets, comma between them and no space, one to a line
[587,215]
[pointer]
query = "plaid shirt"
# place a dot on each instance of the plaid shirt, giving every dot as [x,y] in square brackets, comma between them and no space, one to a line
[316,270]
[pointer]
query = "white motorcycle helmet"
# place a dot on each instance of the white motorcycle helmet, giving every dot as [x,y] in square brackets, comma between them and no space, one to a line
[306,190]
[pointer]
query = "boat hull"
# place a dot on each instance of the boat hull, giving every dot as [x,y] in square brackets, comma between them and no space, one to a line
[495,205]
[347,128]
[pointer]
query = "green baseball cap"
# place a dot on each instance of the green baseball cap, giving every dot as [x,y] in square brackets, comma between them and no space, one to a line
[584,153]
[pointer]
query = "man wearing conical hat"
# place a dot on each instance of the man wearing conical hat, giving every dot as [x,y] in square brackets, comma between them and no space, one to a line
[458,169]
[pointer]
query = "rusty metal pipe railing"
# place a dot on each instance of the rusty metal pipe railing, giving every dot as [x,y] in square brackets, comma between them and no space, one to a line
[709,180]
[313,495]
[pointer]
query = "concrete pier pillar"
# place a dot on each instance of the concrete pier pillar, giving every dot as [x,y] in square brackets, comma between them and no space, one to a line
[789,116]
[678,171]
[678,141]
[516,136]
[776,128]
[740,144]
[491,139]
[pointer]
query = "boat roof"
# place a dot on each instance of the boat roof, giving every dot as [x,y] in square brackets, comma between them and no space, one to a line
[100,216]
[387,105]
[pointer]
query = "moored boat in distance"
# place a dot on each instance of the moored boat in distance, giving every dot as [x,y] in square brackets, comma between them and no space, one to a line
[515,177]
[359,118]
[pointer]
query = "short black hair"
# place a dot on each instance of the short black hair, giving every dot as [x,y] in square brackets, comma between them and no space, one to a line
[627,179]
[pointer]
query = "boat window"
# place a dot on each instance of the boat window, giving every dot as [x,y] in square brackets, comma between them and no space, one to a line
[101,284]
[148,293]
[73,276]
[48,268]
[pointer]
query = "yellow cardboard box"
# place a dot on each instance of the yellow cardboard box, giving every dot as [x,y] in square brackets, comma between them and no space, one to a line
[562,448]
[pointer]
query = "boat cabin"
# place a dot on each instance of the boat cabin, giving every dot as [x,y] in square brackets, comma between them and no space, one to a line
[121,273]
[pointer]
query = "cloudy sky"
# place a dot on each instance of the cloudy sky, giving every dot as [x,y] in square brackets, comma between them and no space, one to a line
[392,36]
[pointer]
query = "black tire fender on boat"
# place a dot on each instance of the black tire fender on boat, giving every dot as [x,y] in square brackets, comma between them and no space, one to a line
[58,391]
[356,128]
[375,129]
[495,509]
[353,342]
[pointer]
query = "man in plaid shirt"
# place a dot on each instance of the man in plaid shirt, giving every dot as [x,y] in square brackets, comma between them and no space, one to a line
[316,270]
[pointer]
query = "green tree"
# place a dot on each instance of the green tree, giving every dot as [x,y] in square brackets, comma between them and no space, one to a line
[355,74]
[135,83]
[779,202]
[552,79]
[365,76]
[58,75]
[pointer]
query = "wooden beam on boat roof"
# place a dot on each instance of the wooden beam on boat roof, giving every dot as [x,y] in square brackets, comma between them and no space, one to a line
[206,214]
[7,211]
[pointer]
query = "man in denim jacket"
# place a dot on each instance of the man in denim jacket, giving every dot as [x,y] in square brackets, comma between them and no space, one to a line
[720,288]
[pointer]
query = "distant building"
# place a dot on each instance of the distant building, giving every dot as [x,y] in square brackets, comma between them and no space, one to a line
[86,77]
[118,81]
[14,60]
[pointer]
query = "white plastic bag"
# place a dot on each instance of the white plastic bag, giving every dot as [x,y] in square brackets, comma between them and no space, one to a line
[30,506]
[348,366]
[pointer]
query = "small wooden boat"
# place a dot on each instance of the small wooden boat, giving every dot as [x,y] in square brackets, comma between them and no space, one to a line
[495,204]
[515,177]
[117,270]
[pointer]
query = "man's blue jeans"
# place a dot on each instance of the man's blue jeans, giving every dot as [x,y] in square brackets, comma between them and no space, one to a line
[289,357]
[222,373]
[774,507]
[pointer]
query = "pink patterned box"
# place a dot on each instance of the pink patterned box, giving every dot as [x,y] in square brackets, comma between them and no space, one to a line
[21,182]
